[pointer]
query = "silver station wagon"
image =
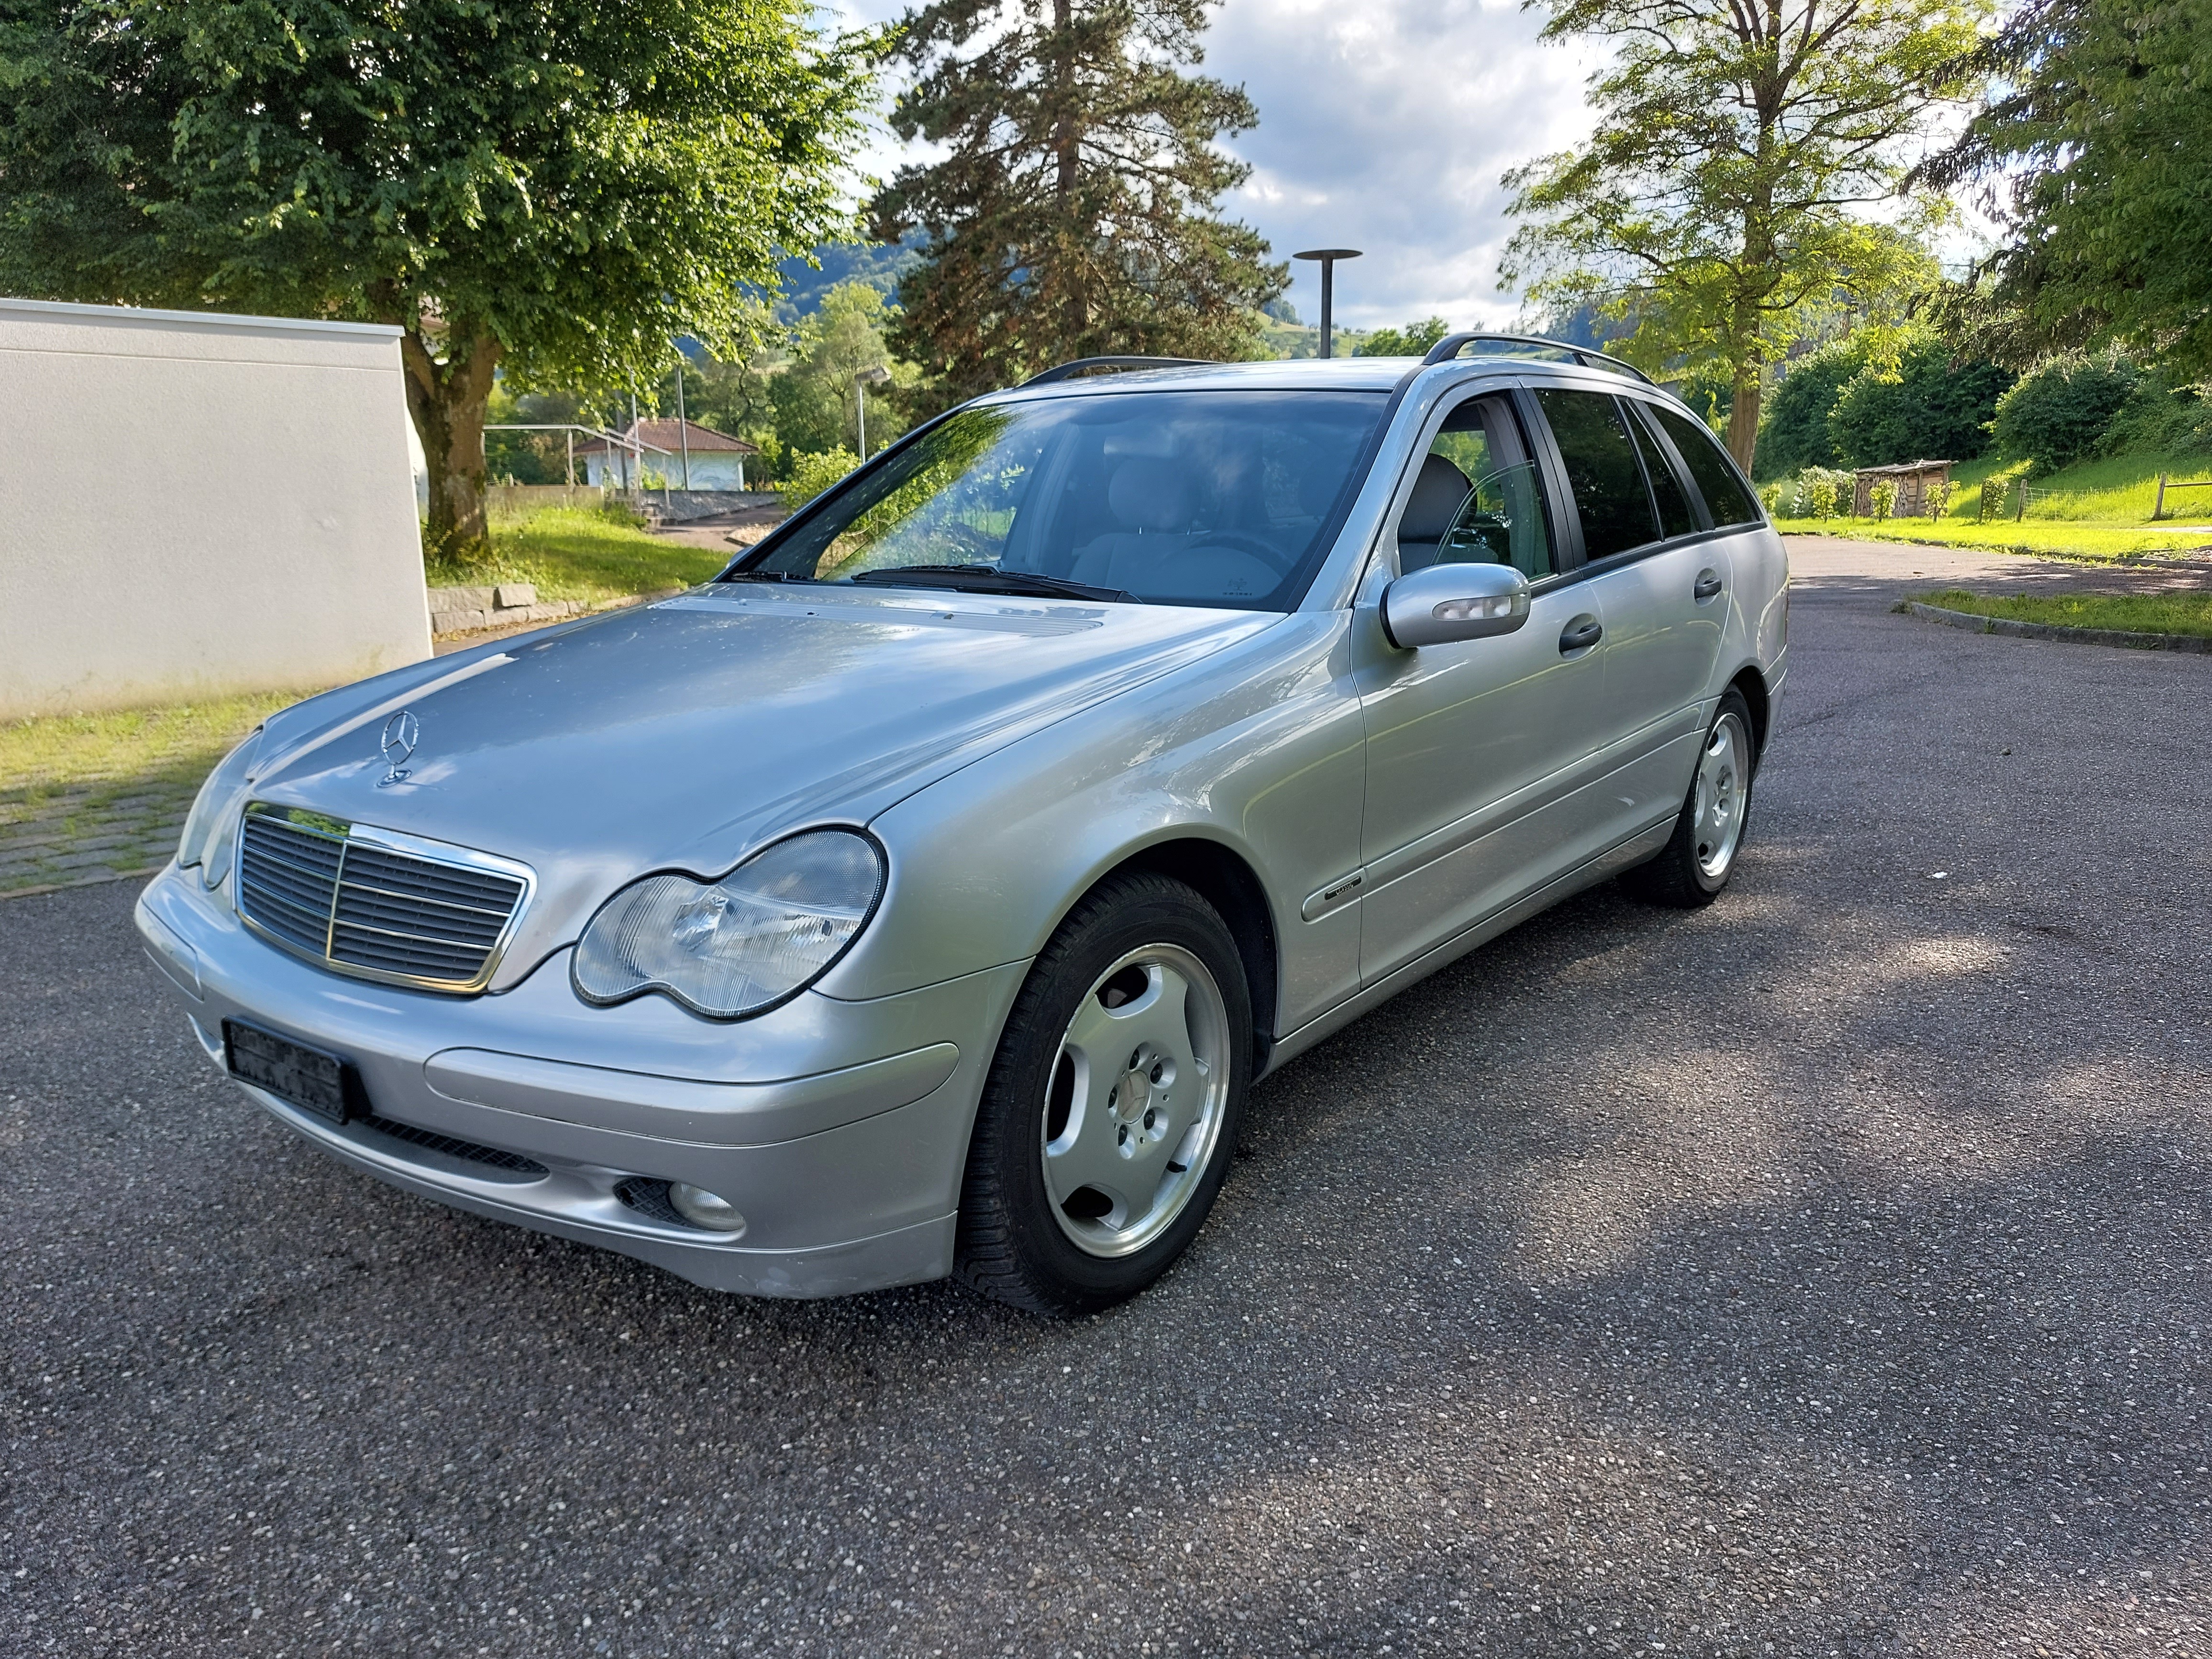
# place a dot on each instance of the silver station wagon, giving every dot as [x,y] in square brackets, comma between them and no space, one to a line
[924,895]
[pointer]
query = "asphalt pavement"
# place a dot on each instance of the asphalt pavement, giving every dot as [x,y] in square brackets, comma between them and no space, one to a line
[1822,1273]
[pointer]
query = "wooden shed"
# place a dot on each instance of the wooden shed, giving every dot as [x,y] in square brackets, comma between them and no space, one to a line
[1917,482]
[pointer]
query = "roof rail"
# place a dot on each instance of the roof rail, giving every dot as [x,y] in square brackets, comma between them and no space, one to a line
[1086,365]
[1449,347]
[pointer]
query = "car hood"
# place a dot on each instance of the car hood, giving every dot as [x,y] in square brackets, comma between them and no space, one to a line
[684,734]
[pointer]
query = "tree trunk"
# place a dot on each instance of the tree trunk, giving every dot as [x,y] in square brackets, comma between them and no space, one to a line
[447,400]
[1743,414]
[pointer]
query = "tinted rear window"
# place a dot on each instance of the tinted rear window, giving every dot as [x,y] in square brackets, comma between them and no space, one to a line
[1718,480]
[1602,471]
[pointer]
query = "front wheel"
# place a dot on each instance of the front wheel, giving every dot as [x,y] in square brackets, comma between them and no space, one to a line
[1111,1116]
[1696,862]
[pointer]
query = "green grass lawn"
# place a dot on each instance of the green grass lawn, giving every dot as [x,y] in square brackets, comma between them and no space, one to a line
[90,797]
[575,553]
[2120,490]
[2095,510]
[2135,613]
[2035,536]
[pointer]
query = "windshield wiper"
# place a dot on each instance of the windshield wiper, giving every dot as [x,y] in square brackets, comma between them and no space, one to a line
[989,579]
[763,576]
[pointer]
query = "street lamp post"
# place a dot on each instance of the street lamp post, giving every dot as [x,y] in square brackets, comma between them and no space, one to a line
[1328,257]
[683,422]
[862,380]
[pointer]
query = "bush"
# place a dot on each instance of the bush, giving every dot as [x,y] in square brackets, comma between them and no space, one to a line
[1882,498]
[1771,497]
[1821,492]
[810,475]
[1936,409]
[1793,428]
[2058,413]
[2159,418]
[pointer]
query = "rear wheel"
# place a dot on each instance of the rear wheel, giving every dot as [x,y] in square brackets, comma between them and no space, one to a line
[1697,860]
[1111,1113]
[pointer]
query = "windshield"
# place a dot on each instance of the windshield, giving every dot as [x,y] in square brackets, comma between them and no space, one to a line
[1200,498]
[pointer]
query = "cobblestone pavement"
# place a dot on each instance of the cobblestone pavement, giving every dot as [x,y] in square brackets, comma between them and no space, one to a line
[92,832]
[1824,1273]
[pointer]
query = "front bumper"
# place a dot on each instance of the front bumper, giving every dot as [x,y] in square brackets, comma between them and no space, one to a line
[838,1129]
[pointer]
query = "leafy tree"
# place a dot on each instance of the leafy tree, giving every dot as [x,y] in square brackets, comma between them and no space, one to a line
[1720,203]
[1933,407]
[2094,156]
[1074,213]
[1708,388]
[1412,341]
[813,398]
[555,187]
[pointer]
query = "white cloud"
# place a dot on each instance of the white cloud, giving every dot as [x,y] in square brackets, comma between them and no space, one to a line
[1383,127]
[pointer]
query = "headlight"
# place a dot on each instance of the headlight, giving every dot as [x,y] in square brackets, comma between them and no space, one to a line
[765,931]
[213,820]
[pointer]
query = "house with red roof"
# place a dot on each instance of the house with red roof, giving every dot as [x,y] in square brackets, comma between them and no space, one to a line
[715,461]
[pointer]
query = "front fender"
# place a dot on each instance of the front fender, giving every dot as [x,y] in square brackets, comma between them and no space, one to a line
[1260,749]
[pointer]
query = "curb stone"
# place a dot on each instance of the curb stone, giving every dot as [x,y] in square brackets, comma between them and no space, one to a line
[2195,644]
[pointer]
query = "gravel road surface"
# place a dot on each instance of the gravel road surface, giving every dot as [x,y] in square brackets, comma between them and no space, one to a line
[1824,1273]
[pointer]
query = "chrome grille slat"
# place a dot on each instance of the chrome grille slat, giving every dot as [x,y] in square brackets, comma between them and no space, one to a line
[402,897]
[346,898]
[376,868]
[288,884]
[364,904]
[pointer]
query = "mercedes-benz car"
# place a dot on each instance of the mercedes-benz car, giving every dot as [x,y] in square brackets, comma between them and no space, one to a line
[924,894]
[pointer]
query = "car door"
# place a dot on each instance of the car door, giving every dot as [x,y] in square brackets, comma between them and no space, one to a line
[1659,582]
[1471,745]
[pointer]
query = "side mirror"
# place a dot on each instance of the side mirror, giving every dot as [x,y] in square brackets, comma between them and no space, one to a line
[1449,602]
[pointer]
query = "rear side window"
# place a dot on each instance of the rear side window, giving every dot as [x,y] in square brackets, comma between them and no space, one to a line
[1718,480]
[1602,471]
[1675,518]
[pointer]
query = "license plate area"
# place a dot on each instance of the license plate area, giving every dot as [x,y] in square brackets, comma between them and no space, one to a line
[310,1078]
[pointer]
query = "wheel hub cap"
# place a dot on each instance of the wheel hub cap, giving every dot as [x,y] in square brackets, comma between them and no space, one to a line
[1136,1099]
[1718,798]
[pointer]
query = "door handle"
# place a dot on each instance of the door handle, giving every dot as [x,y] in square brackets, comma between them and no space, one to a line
[1580,634]
[1709,585]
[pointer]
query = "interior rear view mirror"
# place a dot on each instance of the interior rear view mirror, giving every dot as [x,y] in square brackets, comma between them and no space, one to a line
[1449,602]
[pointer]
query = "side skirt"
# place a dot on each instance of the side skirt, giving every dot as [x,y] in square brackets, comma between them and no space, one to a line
[1634,851]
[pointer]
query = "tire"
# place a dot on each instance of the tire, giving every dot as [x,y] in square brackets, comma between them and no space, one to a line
[1701,855]
[1111,1113]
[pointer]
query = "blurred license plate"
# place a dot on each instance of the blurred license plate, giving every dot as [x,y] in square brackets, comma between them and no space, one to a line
[317,1082]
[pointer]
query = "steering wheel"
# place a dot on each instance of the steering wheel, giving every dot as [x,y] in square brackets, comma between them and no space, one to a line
[1268,555]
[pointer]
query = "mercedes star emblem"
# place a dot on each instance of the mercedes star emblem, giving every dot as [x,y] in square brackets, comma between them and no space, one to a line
[401,733]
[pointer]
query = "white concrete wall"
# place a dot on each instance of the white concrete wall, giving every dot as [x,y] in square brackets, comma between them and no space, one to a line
[193,504]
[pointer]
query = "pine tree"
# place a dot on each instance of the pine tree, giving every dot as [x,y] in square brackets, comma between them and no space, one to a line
[1075,214]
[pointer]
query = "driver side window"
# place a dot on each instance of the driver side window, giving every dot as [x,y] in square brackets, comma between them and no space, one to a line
[1475,498]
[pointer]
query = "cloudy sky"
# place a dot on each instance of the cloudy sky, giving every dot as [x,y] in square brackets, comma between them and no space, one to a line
[1383,126]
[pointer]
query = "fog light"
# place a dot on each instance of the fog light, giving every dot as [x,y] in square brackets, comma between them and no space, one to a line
[704,1209]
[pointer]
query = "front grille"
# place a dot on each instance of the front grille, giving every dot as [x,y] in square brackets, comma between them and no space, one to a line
[454,1147]
[349,897]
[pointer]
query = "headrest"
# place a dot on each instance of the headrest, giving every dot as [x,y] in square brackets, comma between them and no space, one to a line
[1438,493]
[1149,494]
